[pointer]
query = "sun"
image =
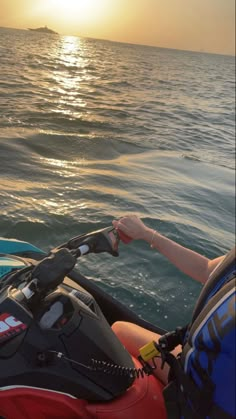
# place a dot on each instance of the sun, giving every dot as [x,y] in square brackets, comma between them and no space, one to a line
[81,11]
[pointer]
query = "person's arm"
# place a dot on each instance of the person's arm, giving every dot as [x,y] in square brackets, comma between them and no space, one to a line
[189,262]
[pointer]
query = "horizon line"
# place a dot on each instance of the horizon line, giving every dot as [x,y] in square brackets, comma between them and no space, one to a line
[134,43]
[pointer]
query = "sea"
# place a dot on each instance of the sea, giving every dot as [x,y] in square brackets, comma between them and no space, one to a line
[92,130]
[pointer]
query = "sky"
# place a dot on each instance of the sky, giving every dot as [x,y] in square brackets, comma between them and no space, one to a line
[196,25]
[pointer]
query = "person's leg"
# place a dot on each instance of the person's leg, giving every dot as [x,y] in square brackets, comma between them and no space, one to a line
[133,337]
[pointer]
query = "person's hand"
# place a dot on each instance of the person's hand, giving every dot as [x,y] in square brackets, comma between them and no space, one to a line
[133,227]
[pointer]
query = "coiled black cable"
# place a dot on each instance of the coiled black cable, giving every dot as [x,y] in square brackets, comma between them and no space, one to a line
[108,368]
[118,370]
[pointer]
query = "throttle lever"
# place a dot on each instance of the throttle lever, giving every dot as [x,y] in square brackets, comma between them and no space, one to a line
[124,238]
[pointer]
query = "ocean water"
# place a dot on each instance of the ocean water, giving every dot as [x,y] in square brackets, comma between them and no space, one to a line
[91,130]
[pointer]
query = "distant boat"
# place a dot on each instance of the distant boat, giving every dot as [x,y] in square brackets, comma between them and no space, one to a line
[43,29]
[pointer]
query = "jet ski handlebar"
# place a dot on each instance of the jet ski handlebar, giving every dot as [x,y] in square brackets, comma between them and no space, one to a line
[50,272]
[103,240]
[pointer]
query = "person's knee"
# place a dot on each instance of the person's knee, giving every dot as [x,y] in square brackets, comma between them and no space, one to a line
[118,328]
[125,332]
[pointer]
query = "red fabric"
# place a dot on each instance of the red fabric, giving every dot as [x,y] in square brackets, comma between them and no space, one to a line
[23,403]
[142,400]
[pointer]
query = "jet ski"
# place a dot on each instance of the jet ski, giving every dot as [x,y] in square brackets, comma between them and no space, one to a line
[59,357]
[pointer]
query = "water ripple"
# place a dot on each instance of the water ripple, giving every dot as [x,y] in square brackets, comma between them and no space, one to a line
[92,130]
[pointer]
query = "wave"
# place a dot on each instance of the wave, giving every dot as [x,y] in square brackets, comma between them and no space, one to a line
[211,159]
[91,130]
